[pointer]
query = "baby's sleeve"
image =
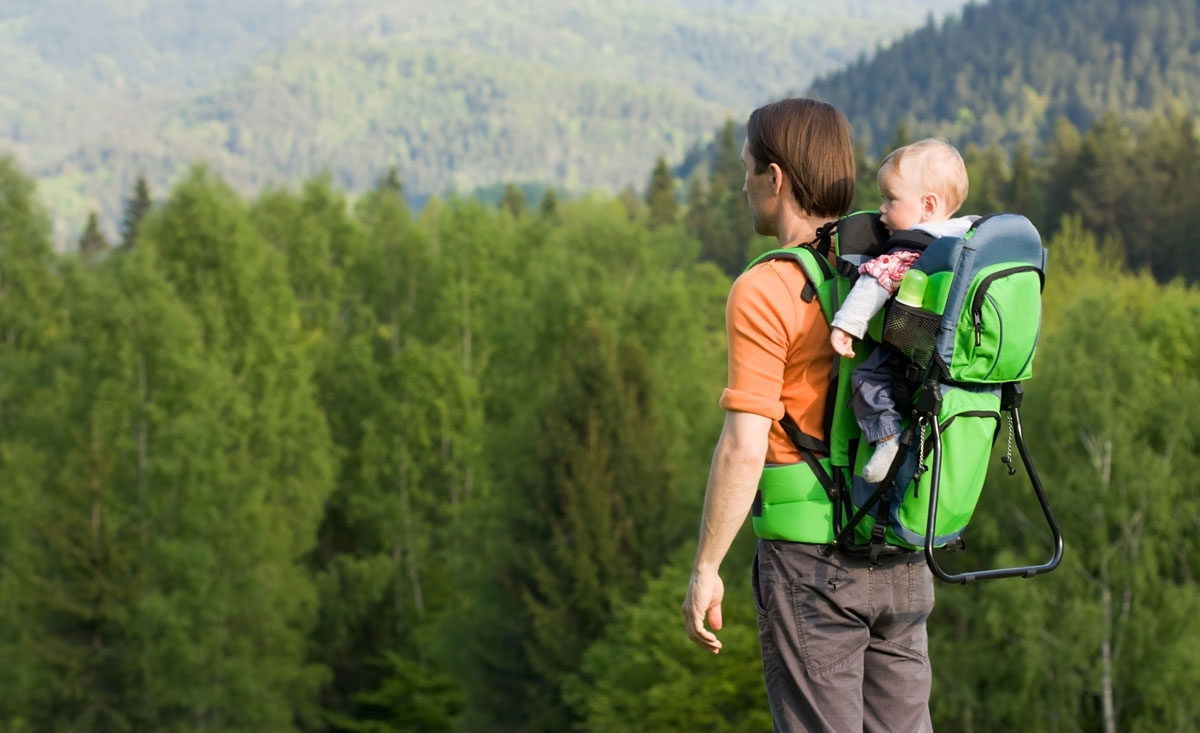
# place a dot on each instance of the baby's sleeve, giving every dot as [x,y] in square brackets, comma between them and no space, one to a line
[888,270]
[866,299]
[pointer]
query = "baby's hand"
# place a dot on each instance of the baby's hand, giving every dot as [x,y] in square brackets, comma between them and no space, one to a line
[843,343]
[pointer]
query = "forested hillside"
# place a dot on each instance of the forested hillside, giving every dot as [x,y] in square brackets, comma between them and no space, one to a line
[1006,70]
[458,94]
[287,463]
[306,459]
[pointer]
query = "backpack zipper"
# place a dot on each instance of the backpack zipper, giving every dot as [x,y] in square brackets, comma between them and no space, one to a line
[981,291]
[1000,345]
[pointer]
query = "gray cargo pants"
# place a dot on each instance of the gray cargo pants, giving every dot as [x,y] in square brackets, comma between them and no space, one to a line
[843,639]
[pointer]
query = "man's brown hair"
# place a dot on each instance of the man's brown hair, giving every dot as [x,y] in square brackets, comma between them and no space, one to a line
[810,142]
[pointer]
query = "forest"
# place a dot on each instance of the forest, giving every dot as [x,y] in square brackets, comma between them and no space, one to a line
[307,461]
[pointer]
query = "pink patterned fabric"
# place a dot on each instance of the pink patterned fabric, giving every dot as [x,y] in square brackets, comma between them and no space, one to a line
[889,269]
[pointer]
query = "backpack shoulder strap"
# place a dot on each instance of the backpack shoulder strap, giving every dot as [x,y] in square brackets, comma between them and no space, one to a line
[817,271]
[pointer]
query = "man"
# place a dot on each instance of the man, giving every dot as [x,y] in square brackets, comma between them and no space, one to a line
[843,639]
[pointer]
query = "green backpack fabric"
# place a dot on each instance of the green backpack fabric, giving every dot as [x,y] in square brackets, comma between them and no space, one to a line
[972,339]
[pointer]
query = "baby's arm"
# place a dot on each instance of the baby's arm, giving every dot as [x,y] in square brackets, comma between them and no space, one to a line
[866,299]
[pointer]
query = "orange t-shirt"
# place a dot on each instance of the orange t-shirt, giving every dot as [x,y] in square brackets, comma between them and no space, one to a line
[779,353]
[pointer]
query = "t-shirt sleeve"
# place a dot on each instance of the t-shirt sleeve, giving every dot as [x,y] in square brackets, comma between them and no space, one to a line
[760,320]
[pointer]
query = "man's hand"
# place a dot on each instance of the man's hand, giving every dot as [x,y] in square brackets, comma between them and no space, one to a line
[843,343]
[704,595]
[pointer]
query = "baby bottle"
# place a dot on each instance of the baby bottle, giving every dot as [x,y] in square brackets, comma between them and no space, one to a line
[912,288]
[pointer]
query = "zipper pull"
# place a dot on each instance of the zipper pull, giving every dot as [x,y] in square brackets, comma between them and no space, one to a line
[978,328]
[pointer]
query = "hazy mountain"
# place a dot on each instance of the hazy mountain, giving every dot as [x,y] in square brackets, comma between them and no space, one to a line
[455,94]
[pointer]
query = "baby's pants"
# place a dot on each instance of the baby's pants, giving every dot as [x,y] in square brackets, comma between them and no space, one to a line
[872,399]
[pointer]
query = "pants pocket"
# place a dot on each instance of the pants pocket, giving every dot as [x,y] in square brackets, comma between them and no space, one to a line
[829,632]
[907,628]
[756,586]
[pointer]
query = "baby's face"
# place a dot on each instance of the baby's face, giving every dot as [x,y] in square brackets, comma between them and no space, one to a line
[901,205]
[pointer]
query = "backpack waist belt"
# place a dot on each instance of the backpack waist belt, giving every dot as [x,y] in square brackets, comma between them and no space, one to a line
[792,505]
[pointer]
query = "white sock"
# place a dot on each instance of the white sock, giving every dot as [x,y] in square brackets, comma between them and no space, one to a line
[885,452]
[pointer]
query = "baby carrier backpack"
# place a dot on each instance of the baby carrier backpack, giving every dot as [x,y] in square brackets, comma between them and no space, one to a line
[961,345]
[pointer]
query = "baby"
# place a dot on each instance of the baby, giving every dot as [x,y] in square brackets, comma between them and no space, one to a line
[922,186]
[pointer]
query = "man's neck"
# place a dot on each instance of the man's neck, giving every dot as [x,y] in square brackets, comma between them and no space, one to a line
[795,228]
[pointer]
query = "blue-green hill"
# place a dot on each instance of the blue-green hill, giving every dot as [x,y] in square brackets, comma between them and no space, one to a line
[455,94]
[1006,70]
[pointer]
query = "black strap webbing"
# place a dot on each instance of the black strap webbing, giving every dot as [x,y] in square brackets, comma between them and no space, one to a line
[809,446]
[824,240]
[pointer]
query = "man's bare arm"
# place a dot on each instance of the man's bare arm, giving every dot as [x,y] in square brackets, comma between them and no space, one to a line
[732,481]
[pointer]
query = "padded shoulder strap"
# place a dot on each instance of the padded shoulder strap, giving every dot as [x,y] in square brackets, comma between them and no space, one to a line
[817,270]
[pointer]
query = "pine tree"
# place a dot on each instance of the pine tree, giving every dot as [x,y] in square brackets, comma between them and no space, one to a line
[730,228]
[901,137]
[697,218]
[548,207]
[1024,195]
[660,195]
[989,179]
[92,242]
[513,201]
[390,181]
[727,172]
[136,208]
[1062,170]
[866,180]
[631,202]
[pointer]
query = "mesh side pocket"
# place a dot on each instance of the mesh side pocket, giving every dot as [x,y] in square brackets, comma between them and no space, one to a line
[912,332]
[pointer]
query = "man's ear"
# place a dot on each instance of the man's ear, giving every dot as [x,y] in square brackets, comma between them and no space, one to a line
[777,178]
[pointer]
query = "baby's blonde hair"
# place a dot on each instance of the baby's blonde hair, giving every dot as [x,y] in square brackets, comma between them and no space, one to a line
[933,165]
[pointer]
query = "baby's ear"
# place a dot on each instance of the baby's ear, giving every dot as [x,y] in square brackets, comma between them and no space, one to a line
[930,203]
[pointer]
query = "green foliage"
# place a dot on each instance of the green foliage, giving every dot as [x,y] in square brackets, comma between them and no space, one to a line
[593,460]
[263,498]
[111,561]
[33,321]
[411,697]
[644,674]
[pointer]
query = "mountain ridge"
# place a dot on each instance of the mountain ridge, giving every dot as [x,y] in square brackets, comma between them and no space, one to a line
[1004,72]
[680,67]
